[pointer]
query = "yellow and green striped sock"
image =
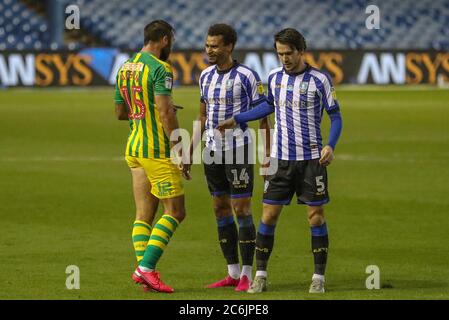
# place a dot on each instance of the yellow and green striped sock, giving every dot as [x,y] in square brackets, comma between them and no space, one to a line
[141,235]
[162,232]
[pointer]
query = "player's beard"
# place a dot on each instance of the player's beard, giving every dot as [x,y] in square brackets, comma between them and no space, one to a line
[165,53]
[212,60]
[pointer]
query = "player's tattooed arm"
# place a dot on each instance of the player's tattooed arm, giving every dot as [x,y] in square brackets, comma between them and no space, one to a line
[167,113]
[121,111]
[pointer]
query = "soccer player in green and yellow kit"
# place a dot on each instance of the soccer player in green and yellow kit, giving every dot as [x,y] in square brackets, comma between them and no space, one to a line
[143,95]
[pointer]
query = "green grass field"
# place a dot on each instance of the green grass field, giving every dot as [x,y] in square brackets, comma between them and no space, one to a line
[66,199]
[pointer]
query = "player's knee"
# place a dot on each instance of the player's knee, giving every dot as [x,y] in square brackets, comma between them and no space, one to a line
[316,216]
[242,209]
[222,210]
[269,216]
[145,217]
[146,213]
[179,214]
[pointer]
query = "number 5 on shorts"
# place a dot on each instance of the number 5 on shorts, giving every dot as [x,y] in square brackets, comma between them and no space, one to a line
[320,184]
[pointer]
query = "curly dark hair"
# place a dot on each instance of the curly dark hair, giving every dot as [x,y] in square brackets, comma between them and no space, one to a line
[226,31]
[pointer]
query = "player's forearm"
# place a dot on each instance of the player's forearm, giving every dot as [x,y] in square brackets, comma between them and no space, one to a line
[265,124]
[121,112]
[167,114]
[169,121]
[335,129]
[261,111]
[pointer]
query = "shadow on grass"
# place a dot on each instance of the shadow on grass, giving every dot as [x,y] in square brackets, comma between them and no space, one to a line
[359,286]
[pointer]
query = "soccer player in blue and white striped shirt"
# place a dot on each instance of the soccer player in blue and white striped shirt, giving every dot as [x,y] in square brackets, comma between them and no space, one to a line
[298,94]
[229,88]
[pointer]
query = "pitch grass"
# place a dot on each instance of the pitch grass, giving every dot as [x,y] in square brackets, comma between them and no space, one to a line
[66,199]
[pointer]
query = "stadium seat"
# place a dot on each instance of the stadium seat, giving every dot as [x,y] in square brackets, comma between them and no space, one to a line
[337,24]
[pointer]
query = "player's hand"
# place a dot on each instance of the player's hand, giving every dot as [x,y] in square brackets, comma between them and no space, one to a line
[227,124]
[186,171]
[264,168]
[185,167]
[327,155]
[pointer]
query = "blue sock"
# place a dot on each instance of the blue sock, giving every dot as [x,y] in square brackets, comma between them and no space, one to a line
[246,221]
[266,229]
[223,222]
[264,245]
[247,239]
[319,231]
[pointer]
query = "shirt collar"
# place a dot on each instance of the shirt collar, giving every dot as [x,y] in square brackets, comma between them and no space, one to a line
[307,68]
[234,64]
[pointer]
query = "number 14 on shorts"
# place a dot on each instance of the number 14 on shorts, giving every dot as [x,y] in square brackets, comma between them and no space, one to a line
[243,177]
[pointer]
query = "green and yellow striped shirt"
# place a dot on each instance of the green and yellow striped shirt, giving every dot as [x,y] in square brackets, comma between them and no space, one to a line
[139,80]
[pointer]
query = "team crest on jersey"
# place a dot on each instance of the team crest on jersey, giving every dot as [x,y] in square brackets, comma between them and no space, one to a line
[229,84]
[334,94]
[303,87]
[168,82]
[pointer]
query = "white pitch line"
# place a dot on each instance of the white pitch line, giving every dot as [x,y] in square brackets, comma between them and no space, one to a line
[397,157]
[405,158]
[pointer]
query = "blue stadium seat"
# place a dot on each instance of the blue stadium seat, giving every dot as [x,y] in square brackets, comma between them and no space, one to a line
[337,24]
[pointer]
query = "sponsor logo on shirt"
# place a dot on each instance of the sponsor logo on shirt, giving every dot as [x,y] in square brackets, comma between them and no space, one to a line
[130,66]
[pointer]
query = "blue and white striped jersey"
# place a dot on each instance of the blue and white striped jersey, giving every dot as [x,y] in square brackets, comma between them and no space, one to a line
[227,93]
[299,101]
